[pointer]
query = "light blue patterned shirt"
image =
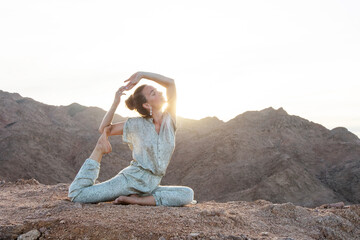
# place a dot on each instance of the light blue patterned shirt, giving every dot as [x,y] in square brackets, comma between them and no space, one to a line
[150,151]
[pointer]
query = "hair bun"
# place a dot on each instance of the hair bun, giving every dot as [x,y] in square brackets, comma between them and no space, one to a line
[130,102]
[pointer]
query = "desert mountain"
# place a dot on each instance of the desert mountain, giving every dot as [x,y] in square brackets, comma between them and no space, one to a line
[265,154]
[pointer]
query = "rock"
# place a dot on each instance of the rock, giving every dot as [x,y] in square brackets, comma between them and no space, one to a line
[31,235]
[31,181]
[333,205]
[342,134]
[194,234]
[78,205]
[212,212]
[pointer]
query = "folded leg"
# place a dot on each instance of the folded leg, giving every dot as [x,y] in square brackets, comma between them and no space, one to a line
[84,189]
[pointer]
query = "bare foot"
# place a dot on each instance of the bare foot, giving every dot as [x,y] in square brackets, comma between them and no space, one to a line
[136,199]
[103,143]
[125,200]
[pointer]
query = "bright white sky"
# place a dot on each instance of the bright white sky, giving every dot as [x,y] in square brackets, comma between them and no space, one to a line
[227,57]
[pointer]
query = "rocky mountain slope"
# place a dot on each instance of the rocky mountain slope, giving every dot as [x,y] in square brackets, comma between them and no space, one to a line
[265,154]
[269,155]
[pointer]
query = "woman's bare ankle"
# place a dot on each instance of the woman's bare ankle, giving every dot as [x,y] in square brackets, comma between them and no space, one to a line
[103,145]
[96,154]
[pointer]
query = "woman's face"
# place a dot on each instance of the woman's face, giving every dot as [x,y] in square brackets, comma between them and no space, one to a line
[154,97]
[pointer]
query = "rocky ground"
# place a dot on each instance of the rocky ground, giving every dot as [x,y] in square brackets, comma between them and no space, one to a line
[44,212]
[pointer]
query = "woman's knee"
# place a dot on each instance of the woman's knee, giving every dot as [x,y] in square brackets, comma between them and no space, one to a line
[75,195]
[78,195]
[173,196]
[188,195]
[82,197]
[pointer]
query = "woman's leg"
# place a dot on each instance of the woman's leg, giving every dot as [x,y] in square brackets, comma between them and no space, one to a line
[173,196]
[84,189]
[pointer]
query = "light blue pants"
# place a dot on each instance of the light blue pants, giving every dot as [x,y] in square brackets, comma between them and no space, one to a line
[83,188]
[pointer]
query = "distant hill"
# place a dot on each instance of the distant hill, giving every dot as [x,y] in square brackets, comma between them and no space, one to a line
[265,154]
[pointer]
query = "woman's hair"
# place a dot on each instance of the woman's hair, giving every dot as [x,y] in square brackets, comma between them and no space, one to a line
[136,100]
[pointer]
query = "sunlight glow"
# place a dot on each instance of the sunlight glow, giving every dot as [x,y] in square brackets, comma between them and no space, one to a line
[227,57]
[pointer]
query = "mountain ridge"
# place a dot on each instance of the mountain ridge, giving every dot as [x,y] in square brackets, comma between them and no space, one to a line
[266,154]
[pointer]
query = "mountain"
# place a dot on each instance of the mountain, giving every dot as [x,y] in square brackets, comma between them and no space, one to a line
[50,143]
[269,155]
[265,154]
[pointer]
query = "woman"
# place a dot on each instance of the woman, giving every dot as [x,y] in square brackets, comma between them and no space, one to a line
[151,137]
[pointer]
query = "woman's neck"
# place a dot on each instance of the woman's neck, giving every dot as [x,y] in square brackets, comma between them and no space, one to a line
[157,116]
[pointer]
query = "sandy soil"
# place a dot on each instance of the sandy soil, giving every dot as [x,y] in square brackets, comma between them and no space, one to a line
[27,205]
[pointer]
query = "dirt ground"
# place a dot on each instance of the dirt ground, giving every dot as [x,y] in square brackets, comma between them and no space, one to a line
[26,205]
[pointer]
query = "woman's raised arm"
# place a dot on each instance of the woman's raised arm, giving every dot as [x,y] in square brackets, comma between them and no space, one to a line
[109,116]
[160,79]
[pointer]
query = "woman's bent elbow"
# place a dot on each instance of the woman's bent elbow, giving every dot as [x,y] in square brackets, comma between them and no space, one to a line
[101,129]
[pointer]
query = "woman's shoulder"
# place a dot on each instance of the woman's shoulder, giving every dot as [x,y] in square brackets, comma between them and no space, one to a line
[169,114]
[171,119]
[134,120]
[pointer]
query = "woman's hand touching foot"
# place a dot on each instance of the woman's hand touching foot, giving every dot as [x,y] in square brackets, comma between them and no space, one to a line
[103,142]
[103,145]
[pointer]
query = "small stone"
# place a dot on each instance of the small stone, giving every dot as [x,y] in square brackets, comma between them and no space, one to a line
[42,230]
[212,212]
[333,205]
[62,221]
[337,205]
[162,238]
[46,233]
[78,205]
[264,234]
[241,237]
[194,234]
[31,235]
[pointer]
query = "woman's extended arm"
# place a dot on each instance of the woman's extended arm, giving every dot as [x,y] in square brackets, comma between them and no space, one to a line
[109,116]
[160,79]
